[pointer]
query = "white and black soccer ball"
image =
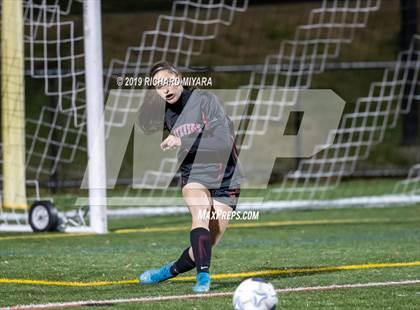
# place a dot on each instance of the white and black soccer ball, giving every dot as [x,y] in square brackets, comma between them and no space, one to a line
[255,294]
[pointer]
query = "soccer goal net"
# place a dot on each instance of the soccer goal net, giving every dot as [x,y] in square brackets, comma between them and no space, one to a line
[70,80]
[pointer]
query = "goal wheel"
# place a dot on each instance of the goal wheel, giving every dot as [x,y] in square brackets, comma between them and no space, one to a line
[43,216]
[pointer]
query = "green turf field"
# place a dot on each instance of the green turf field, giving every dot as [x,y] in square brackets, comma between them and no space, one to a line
[299,249]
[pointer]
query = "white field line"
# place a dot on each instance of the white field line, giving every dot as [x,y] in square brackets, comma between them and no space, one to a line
[208,295]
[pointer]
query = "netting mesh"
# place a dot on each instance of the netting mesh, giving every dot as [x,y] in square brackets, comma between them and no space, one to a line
[329,27]
[55,54]
[360,130]
[56,133]
[320,40]
[176,38]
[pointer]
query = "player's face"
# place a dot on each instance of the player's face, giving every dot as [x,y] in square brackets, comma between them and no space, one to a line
[168,86]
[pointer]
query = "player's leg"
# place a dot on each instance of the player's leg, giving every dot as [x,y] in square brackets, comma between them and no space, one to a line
[193,195]
[218,224]
[217,227]
[224,201]
[199,202]
[198,199]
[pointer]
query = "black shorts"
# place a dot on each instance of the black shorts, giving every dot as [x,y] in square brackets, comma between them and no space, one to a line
[225,195]
[208,176]
[228,196]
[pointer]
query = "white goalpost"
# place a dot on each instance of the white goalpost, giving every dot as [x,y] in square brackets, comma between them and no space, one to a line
[95,115]
[14,207]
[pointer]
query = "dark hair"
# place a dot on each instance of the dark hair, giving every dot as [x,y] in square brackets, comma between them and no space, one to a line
[163,65]
[150,113]
[150,117]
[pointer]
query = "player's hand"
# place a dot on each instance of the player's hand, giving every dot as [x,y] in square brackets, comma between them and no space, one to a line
[171,142]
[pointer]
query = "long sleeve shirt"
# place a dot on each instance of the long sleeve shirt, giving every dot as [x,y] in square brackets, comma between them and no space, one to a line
[207,137]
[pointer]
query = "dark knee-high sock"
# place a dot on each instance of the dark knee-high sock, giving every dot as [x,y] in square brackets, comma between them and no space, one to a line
[183,264]
[201,246]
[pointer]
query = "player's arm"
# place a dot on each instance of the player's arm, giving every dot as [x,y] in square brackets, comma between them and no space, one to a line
[204,127]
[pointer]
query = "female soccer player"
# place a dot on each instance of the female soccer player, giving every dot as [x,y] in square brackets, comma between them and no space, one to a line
[204,134]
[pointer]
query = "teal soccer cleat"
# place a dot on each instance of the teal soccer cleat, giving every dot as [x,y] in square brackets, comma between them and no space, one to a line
[153,276]
[203,283]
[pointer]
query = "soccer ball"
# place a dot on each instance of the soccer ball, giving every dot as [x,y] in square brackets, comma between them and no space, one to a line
[255,294]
